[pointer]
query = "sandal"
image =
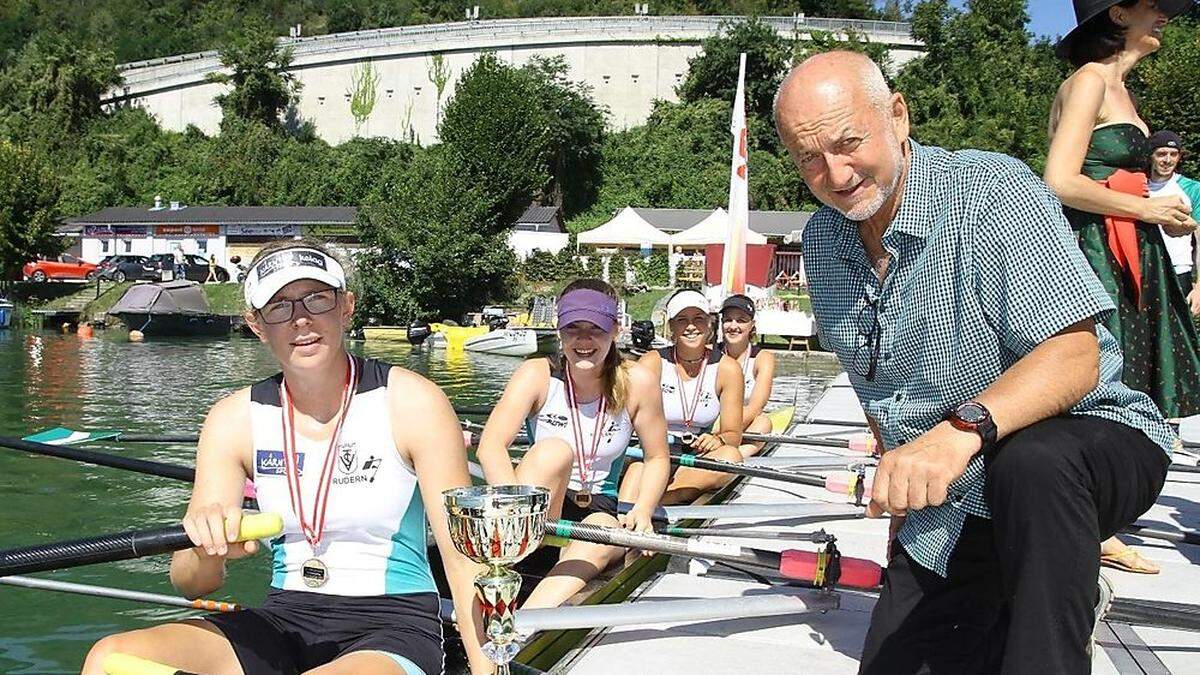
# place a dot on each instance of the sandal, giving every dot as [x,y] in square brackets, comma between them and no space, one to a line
[1128,560]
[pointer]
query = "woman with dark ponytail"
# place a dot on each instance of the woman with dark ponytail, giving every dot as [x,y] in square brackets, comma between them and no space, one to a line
[581,406]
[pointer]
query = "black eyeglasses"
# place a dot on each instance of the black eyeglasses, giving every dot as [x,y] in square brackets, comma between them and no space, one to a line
[866,355]
[317,302]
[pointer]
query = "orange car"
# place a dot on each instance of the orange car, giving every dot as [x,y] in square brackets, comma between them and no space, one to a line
[64,267]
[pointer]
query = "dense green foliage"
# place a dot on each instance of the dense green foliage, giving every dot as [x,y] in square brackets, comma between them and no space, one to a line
[261,88]
[28,203]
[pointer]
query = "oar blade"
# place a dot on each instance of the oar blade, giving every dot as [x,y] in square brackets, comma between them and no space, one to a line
[65,436]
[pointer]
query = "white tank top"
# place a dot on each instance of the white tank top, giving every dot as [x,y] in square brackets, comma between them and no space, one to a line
[553,420]
[374,537]
[747,370]
[675,392]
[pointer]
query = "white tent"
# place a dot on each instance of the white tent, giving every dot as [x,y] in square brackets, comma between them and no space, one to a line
[714,229]
[627,228]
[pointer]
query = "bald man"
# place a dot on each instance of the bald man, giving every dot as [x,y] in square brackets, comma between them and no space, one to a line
[952,291]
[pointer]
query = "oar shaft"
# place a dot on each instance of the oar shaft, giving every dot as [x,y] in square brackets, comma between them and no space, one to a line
[158,438]
[746,470]
[119,594]
[1192,538]
[148,467]
[120,546]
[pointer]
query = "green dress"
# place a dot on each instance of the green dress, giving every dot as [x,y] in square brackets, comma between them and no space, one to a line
[1159,341]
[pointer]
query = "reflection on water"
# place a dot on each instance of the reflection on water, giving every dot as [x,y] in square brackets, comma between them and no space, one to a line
[48,379]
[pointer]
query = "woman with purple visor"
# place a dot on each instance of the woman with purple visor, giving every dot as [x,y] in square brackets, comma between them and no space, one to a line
[581,406]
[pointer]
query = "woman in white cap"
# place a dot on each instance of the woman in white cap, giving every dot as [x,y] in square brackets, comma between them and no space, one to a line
[757,366]
[699,384]
[355,454]
[582,405]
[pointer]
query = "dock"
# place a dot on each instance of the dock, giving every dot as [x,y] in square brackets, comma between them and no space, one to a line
[832,642]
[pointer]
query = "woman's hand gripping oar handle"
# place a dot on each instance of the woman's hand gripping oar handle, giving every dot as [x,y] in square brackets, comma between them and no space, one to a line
[122,546]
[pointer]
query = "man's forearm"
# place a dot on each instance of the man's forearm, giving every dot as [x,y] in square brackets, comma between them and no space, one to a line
[1048,381]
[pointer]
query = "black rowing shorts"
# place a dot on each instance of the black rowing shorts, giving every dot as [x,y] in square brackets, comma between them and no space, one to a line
[600,504]
[296,631]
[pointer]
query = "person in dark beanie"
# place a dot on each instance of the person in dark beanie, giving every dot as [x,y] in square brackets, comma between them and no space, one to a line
[1166,151]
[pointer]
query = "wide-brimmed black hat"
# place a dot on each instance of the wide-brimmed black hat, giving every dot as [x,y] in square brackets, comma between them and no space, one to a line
[1086,10]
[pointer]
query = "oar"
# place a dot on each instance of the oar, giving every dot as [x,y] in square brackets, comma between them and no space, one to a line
[65,436]
[861,444]
[1165,535]
[811,510]
[120,594]
[818,537]
[858,424]
[822,569]
[124,664]
[829,483]
[122,546]
[145,466]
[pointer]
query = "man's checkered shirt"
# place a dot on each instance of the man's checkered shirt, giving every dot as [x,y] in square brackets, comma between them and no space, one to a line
[983,269]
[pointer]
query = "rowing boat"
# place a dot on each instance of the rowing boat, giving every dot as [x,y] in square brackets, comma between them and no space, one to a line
[616,583]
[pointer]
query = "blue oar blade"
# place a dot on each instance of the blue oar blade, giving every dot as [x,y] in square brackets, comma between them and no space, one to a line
[65,436]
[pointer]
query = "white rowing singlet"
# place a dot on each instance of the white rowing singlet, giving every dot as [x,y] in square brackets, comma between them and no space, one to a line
[553,420]
[747,370]
[374,537]
[709,407]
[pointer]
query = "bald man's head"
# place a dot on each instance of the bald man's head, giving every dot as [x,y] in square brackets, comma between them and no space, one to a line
[844,130]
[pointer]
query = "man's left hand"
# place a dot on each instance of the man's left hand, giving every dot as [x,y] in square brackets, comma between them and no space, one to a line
[1193,299]
[918,474]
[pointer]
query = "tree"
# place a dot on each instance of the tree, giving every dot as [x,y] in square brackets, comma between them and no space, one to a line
[497,135]
[262,88]
[981,83]
[576,127]
[28,214]
[714,72]
[54,87]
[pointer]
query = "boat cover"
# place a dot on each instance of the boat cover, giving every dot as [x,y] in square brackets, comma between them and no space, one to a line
[170,297]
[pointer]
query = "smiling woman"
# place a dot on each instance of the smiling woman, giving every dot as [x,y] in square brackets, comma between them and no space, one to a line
[355,454]
[581,406]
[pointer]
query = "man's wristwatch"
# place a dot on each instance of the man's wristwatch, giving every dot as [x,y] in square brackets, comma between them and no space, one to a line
[974,417]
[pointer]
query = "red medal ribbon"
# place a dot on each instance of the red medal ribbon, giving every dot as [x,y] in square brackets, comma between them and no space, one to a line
[689,414]
[582,463]
[312,530]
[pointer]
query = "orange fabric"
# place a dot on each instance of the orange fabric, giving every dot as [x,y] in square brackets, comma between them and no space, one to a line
[1122,231]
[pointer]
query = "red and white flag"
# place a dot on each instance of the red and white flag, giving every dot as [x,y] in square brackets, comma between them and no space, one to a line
[733,269]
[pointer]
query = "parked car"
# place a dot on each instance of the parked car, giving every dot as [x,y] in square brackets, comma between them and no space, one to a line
[65,266]
[195,267]
[121,268]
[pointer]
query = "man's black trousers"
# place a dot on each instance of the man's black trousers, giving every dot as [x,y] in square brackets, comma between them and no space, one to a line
[1021,589]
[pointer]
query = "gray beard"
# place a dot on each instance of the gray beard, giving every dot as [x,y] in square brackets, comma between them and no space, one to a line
[864,210]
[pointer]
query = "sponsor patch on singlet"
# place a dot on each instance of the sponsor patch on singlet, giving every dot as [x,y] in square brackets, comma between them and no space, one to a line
[270,462]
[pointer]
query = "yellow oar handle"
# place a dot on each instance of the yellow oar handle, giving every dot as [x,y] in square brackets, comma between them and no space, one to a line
[260,526]
[124,664]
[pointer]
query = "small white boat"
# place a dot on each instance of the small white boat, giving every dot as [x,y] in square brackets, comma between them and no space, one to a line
[6,313]
[514,342]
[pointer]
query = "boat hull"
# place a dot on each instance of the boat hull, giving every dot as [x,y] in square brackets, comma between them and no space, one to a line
[177,324]
[520,342]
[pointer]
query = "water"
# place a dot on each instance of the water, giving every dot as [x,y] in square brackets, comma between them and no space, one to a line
[48,379]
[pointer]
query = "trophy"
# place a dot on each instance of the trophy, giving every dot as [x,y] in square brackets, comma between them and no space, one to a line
[497,525]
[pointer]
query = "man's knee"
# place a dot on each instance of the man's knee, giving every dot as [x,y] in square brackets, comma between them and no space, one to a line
[1042,458]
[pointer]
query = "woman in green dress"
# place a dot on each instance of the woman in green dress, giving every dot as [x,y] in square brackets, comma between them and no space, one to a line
[1098,165]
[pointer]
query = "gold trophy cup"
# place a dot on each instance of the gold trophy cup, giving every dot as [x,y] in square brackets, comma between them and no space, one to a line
[497,525]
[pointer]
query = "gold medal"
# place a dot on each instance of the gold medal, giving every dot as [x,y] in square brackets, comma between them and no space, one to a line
[583,499]
[314,573]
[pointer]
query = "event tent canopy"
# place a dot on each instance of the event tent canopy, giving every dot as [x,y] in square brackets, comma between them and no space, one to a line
[627,228]
[714,229]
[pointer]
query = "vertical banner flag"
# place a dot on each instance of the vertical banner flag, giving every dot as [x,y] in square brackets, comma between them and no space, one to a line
[733,270]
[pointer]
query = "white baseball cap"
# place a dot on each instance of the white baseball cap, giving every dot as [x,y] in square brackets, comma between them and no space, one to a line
[281,268]
[684,299]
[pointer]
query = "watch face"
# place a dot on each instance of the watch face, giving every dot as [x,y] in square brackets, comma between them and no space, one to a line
[971,413]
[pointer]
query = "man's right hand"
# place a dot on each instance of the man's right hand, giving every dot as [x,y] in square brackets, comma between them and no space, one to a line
[1193,299]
